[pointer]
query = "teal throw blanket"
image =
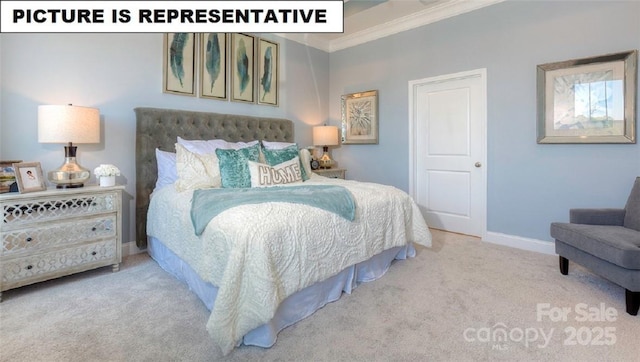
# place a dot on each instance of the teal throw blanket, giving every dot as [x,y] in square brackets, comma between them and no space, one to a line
[208,203]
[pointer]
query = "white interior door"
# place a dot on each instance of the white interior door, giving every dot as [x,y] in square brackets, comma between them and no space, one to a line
[448,151]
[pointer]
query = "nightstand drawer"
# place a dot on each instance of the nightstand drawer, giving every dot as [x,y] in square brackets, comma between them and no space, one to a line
[58,207]
[30,269]
[52,233]
[59,234]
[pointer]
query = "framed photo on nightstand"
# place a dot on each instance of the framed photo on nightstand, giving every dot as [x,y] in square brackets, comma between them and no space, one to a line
[29,177]
[8,176]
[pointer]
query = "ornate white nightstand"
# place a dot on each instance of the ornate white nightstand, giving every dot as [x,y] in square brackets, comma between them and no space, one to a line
[331,172]
[53,233]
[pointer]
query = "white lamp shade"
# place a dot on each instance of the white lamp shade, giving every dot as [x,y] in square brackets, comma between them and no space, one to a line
[67,123]
[325,136]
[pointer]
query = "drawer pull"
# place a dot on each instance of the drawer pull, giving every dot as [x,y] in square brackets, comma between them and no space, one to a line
[29,239]
[93,228]
[93,253]
[29,267]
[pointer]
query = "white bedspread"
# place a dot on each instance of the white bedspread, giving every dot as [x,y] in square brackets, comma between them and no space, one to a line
[257,263]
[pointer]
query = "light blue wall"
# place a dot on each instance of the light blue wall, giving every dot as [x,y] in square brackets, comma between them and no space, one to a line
[529,185]
[116,73]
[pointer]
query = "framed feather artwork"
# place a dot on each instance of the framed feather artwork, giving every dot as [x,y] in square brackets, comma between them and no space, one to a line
[179,64]
[242,68]
[213,66]
[268,69]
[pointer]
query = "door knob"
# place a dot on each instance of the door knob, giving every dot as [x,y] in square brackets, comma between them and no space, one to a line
[478,164]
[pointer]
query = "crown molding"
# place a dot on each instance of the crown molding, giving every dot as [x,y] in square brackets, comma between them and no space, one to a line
[430,15]
[309,39]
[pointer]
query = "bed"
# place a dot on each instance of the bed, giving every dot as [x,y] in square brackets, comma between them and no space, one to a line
[272,257]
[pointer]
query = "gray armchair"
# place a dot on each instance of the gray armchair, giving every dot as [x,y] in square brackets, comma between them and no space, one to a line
[607,242]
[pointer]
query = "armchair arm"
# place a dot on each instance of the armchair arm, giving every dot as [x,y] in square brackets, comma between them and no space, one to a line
[597,216]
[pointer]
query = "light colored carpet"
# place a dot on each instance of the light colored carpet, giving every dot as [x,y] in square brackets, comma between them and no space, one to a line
[449,303]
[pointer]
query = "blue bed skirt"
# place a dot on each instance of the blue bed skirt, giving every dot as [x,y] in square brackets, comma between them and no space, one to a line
[297,306]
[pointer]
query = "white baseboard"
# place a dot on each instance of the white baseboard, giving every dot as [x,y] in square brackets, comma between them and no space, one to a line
[519,242]
[131,248]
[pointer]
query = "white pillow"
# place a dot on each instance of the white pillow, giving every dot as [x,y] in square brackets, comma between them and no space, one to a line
[263,175]
[204,147]
[167,172]
[239,145]
[196,171]
[276,145]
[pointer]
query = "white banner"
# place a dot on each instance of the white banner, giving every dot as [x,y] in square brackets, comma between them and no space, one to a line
[322,16]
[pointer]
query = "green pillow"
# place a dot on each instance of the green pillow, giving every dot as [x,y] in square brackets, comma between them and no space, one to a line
[234,166]
[276,157]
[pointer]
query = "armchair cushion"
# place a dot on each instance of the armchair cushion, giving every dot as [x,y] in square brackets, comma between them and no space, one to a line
[616,244]
[597,216]
[632,216]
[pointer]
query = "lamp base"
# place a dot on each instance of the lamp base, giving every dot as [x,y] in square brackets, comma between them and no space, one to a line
[325,161]
[69,175]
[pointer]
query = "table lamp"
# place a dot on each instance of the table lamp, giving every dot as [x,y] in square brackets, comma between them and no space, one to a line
[68,124]
[325,136]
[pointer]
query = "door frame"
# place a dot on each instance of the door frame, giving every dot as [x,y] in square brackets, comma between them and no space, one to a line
[413,121]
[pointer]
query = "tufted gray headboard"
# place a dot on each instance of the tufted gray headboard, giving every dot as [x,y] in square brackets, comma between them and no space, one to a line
[159,128]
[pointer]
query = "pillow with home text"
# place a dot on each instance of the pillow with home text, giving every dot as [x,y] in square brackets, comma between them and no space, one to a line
[263,175]
[277,156]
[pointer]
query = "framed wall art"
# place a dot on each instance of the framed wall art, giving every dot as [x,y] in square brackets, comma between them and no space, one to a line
[589,100]
[179,64]
[242,67]
[268,69]
[360,118]
[29,177]
[213,66]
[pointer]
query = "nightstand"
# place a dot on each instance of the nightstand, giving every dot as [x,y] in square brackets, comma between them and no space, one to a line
[57,232]
[331,172]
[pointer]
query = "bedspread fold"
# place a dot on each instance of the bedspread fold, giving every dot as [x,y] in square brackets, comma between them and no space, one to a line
[208,203]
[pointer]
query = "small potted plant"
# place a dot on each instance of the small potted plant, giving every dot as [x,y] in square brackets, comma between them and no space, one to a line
[106,174]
